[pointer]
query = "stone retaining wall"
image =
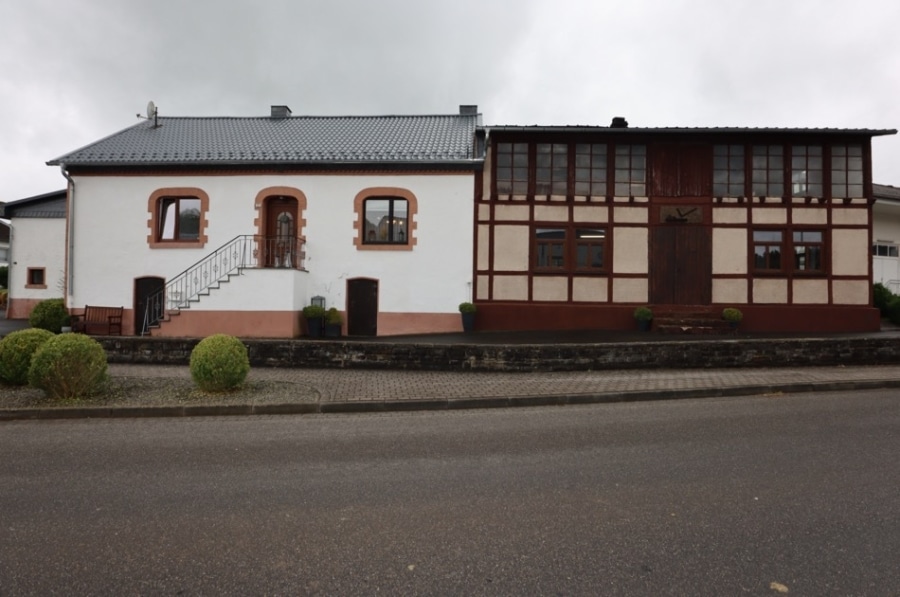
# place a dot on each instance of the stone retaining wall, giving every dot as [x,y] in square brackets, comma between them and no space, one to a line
[692,354]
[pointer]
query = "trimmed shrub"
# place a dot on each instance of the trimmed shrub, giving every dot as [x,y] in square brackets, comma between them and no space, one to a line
[219,363]
[49,315]
[16,352]
[881,298]
[892,312]
[68,366]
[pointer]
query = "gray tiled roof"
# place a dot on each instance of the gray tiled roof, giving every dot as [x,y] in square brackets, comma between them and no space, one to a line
[883,191]
[631,130]
[436,139]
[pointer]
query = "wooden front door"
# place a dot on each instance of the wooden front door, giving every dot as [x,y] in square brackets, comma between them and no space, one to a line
[279,245]
[362,307]
[680,265]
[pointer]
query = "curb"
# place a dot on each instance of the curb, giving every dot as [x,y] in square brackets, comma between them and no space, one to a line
[383,406]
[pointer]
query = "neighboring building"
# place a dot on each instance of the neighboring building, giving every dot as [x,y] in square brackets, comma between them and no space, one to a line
[204,225]
[886,236]
[576,226]
[37,251]
[4,240]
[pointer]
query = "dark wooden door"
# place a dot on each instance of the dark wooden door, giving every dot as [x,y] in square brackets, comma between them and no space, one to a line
[146,289]
[362,307]
[681,265]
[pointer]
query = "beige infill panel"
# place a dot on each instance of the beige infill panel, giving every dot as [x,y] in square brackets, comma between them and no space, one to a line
[484,247]
[729,215]
[511,253]
[729,251]
[551,213]
[810,292]
[484,212]
[591,214]
[513,213]
[769,215]
[631,251]
[483,293]
[849,217]
[729,291]
[589,290]
[630,215]
[630,290]
[814,216]
[850,252]
[510,288]
[850,292]
[549,289]
[770,292]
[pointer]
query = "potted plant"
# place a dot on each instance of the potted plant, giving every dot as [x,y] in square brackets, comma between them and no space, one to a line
[467,310]
[333,322]
[66,324]
[733,316]
[315,316]
[644,317]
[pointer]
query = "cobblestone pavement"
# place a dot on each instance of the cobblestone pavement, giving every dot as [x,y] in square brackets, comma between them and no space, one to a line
[361,386]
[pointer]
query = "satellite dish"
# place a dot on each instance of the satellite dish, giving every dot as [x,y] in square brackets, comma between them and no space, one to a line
[151,109]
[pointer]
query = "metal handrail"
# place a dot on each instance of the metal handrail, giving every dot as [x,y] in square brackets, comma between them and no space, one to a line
[242,252]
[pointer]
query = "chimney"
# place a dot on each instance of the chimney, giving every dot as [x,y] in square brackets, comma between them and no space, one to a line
[281,112]
[468,110]
[619,122]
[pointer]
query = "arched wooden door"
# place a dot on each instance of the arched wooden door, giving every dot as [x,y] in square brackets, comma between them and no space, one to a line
[362,307]
[279,248]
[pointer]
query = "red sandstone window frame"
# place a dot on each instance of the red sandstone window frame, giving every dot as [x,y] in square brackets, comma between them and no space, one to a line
[36,277]
[156,221]
[360,239]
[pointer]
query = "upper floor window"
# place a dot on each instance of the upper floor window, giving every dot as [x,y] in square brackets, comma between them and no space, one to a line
[846,171]
[568,248]
[631,171]
[590,169]
[512,168]
[386,221]
[728,170]
[768,247]
[179,219]
[885,250]
[551,176]
[806,171]
[768,170]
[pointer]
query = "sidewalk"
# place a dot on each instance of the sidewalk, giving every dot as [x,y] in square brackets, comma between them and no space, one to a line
[343,391]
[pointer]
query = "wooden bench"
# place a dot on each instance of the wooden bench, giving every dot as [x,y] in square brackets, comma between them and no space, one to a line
[101,321]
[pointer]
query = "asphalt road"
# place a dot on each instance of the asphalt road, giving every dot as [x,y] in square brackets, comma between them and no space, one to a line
[738,496]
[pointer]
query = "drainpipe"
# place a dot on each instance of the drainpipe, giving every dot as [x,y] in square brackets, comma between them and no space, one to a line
[70,235]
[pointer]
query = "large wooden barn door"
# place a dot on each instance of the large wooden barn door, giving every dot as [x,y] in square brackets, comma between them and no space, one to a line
[680,265]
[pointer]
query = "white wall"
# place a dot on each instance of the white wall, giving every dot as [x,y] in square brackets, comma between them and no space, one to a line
[37,243]
[886,228]
[111,249]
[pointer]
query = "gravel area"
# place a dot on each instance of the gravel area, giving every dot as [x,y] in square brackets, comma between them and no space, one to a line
[177,389]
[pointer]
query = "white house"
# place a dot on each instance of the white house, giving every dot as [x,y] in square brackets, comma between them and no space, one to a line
[36,254]
[886,236]
[232,225]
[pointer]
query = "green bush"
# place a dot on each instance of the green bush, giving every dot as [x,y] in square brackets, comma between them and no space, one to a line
[892,312]
[219,363]
[313,312]
[68,366]
[881,298]
[4,276]
[16,352]
[731,314]
[49,315]
[467,308]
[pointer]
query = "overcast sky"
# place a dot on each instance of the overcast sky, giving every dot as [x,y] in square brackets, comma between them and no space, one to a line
[76,71]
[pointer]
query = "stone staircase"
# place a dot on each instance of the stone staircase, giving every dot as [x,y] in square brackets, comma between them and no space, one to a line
[691,320]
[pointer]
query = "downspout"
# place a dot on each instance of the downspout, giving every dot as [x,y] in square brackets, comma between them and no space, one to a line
[70,235]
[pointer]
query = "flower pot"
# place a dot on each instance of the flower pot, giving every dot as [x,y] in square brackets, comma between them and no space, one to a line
[314,327]
[644,325]
[332,330]
[468,321]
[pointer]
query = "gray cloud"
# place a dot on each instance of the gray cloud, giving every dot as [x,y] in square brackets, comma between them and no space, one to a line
[76,72]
